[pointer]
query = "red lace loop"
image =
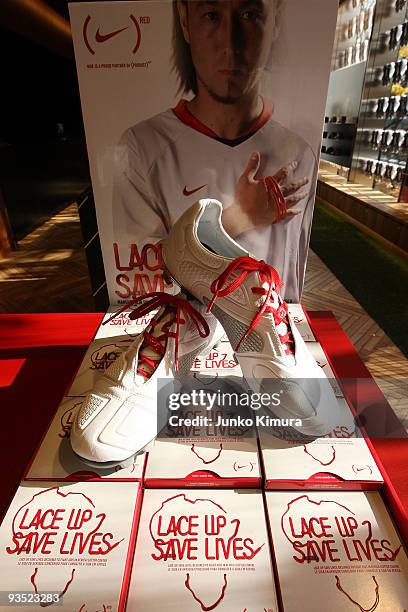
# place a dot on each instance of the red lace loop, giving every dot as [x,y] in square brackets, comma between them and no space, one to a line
[276,197]
[223,286]
[173,304]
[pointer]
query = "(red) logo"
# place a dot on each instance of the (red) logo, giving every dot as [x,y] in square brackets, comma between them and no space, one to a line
[361,468]
[102,38]
[238,467]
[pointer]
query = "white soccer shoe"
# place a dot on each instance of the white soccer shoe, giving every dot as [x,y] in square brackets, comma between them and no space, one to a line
[118,418]
[243,293]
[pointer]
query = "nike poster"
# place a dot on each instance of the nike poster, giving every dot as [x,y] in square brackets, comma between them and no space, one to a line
[186,100]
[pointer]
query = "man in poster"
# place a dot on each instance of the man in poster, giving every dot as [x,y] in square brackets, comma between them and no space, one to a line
[220,143]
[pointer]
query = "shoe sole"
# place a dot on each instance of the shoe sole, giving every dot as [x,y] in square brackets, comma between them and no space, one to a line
[109,465]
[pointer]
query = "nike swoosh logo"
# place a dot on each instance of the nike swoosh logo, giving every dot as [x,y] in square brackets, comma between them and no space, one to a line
[187,192]
[101,38]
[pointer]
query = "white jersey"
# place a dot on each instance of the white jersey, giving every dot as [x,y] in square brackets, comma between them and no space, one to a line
[166,163]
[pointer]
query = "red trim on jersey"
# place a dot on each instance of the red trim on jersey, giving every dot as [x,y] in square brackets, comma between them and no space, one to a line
[186,117]
[181,111]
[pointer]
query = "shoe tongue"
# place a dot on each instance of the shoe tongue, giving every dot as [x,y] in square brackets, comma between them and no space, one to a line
[283,327]
[162,318]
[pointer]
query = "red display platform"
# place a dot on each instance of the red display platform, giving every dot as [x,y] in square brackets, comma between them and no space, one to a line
[387,438]
[39,354]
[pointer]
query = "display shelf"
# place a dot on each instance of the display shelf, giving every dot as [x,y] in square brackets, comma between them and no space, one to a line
[344,142]
[353,32]
[387,438]
[51,347]
[382,112]
[341,160]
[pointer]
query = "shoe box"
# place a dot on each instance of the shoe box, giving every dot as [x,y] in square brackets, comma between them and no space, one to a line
[74,541]
[203,532]
[322,360]
[110,340]
[198,449]
[337,551]
[340,460]
[301,320]
[54,458]
[202,550]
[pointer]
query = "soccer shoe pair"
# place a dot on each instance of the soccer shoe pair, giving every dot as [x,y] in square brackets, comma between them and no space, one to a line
[243,293]
[118,418]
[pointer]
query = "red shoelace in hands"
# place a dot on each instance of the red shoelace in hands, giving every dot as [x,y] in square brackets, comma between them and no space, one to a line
[173,305]
[276,197]
[223,286]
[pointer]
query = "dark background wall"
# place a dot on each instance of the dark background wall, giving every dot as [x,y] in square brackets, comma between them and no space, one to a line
[41,169]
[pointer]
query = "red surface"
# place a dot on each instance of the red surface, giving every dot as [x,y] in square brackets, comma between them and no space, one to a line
[186,117]
[51,347]
[9,370]
[46,330]
[315,484]
[131,551]
[213,483]
[387,440]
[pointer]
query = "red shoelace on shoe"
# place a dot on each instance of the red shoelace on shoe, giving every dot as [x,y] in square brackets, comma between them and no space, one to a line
[221,287]
[173,305]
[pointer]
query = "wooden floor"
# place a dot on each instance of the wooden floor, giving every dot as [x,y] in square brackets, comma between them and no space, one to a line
[49,273]
[384,360]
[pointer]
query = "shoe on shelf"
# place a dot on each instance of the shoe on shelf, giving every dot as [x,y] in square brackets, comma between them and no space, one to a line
[243,293]
[118,417]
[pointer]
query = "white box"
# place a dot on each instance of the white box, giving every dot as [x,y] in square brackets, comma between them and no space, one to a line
[301,321]
[109,342]
[204,455]
[98,358]
[55,460]
[340,460]
[121,325]
[74,539]
[322,360]
[337,551]
[202,550]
